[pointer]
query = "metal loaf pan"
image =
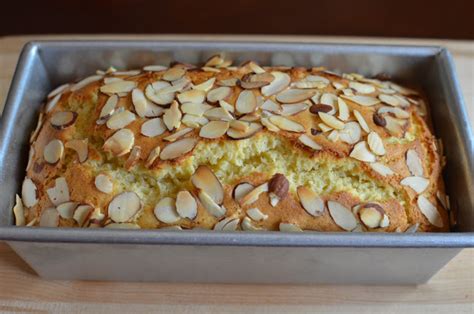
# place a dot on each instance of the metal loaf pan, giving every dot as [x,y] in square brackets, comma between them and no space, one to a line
[266,257]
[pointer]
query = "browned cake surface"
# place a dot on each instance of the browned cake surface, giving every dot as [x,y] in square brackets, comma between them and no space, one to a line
[234,148]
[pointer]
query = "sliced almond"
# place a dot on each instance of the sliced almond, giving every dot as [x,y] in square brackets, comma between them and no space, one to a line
[29,193]
[178,148]
[121,119]
[395,126]
[58,90]
[241,190]
[228,82]
[84,82]
[362,88]
[174,73]
[81,147]
[153,127]
[143,107]
[271,106]
[154,68]
[31,154]
[104,184]
[176,135]
[221,224]
[217,94]
[376,144]
[239,125]
[108,108]
[109,80]
[206,85]
[287,124]
[403,101]
[381,169]
[324,127]
[204,179]
[351,133]
[418,184]
[124,73]
[239,134]
[343,109]
[332,121]
[280,82]
[59,193]
[66,210]
[63,119]
[225,105]
[49,218]
[53,151]
[218,113]
[365,101]
[154,153]
[210,205]
[165,211]
[414,163]
[118,87]
[19,212]
[294,95]
[172,116]
[82,214]
[214,129]
[120,143]
[253,195]
[124,206]
[193,121]
[430,211]
[133,158]
[196,109]
[397,112]
[292,109]
[308,85]
[186,205]
[270,126]
[247,225]
[342,216]
[360,152]
[246,102]
[338,86]
[256,215]
[193,96]
[289,227]
[255,67]
[308,141]
[329,99]
[310,201]
[214,60]
[333,136]
[317,78]
[361,120]
[389,99]
[159,92]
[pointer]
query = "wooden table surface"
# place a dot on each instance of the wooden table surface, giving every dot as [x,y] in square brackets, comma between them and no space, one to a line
[451,290]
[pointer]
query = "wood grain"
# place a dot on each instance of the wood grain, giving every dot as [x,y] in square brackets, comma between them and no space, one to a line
[450,291]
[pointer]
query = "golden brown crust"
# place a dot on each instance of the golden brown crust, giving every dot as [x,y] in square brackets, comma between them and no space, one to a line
[401,211]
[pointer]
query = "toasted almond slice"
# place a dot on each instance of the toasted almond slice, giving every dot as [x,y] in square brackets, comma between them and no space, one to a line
[270,126]
[362,88]
[292,109]
[84,82]
[228,82]
[360,152]
[209,69]
[239,134]
[156,93]
[124,73]
[291,96]
[124,206]
[280,82]
[246,102]
[39,124]
[66,210]
[133,158]
[82,214]
[205,86]
[255,67]
[178,148]
[120,143]
[118,87]
[287,124]
[217,94]
[193,121]
[121,119]
[218,113]
[351,133]
[418,184]
[172,116]
[348,92]
[108,108]
[247,225]
[221,224]
[250,117]
[395,126]
[308,141]
[174,74]
[143,107]
[333,136]
[49,218]
[225,105]
[81,147]
[103,183]
[361,121]
[256,214]
[196,109]
[389,99]
[289,227]
[59,193]
[317,78]
[153,127]
[53,151]
[362,100]
[29,193]
[329,99]
[176,135]
[110,80]
[343,109]
[165,211]
[19,212]
[58,90]
[154,68]
[403,101]
[430,211]
[271,106]
[186,205]
[193,96]
[443,199]
[154,153]
[210,205]
[232,225]
[204,179]
[371,216]
[253,195]
[252,84]
[239,125]
[331,121]
[214,129]
[376,144]
[342,216]
[324,127]
[398,112]
[414,163]
[381,169]
[310,201]
[308,85]
[241,190]
[338,86]
[63,119]
[214,60]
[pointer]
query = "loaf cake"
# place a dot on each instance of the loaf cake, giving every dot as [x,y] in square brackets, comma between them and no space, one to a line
[234,148]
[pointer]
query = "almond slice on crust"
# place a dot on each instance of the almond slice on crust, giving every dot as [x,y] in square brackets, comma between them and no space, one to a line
[59,193]
[172,116]
[19,211]
[414,163]
[366,101]
[176,135]
[287,124]
[253,129]
[153,127]
[362,88]
[240,190]
[289,227]
[186,205]
[253,195]
[417,184]
[53,151]
[361,120]
[49,218]
[124,207]
[81,147]
[310,201]
[210,205]
[376,144]
[66,210]
[165,211]
[308,141]
[174,74]
[154,153]
[120,143]
[332,121]
[430,211]
[214,129]
[204,179]
[108,109]
[246,102]
[119,120]
[118,87]
[291,96]
[63,119]
[104,183]
[219,93]
[342,216]
[361,152]
[179,148]
[280,82]
[351,133]
[206,85]
[193,96]
[29,193]
[256,215]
